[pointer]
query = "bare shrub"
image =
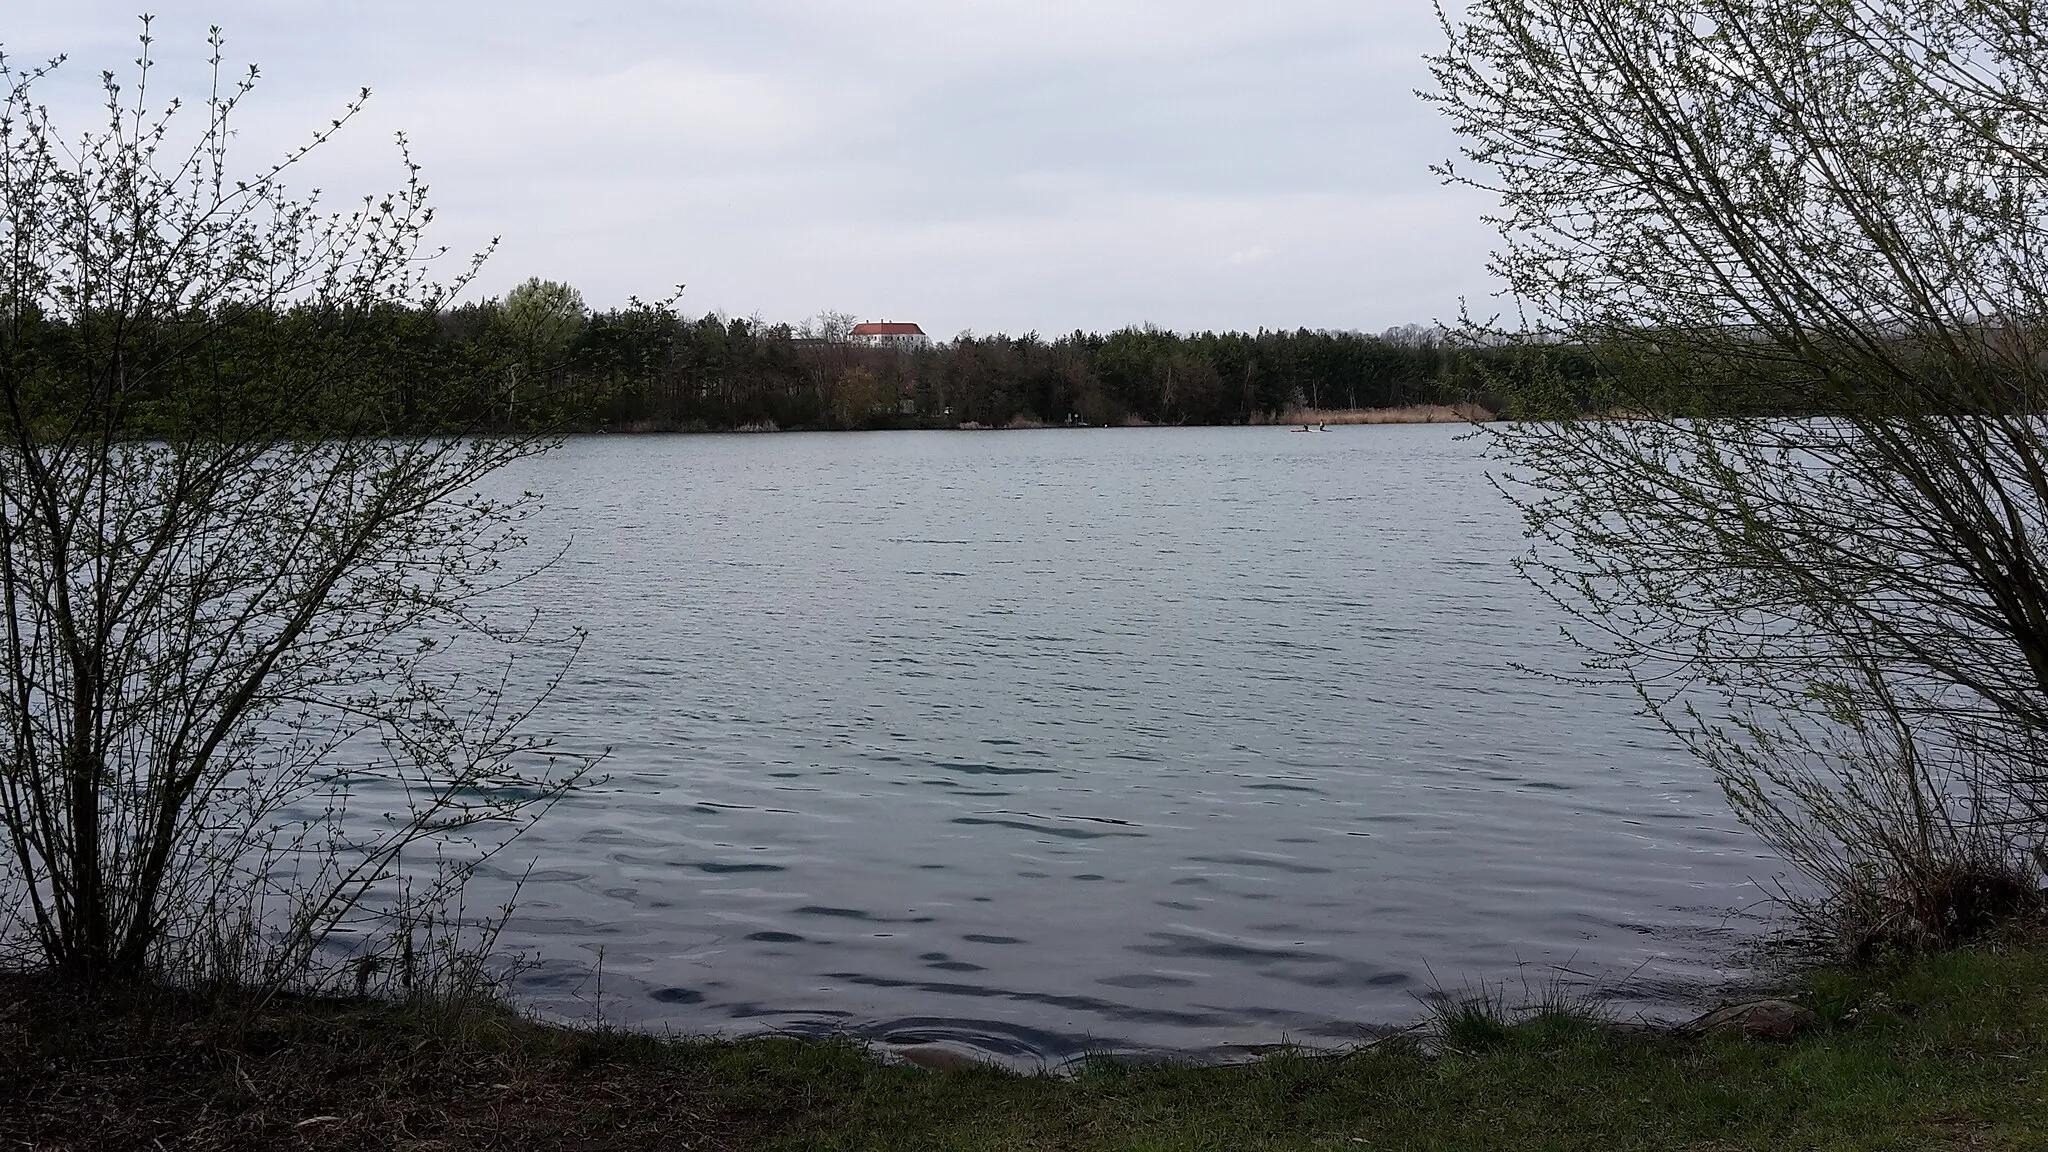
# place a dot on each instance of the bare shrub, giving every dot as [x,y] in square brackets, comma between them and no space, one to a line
[1801,243]
[243,537]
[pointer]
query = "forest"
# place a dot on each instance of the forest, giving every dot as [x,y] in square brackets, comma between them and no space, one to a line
[537,360]
[646,368]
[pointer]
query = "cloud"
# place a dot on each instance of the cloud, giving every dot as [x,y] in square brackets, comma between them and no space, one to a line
[1001,165]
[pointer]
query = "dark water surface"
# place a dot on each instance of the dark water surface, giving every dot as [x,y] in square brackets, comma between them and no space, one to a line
[1046,742]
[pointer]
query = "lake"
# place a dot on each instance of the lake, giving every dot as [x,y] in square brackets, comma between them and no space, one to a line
[1042,743]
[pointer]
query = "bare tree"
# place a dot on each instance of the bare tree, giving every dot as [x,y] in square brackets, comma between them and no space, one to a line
[233,565]
[1801,498]
[829,326]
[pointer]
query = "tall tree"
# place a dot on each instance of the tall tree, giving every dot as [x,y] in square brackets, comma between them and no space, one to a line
[229,567]
[545,315]
[1837,208]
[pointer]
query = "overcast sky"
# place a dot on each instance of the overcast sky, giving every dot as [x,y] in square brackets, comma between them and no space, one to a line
[993,165]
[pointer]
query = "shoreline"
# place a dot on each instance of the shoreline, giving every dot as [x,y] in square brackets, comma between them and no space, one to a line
[1933,1051]
[1680,1002]
[1462,413]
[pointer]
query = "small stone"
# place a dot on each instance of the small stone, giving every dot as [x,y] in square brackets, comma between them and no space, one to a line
[933,1058]
[1758,1020]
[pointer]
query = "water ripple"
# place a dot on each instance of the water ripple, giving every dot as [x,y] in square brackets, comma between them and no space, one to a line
[1041,743]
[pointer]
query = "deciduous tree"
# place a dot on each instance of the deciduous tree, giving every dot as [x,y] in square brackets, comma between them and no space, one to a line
[1838,209]
[231,571]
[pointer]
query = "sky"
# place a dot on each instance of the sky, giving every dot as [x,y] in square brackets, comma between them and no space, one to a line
[967,165]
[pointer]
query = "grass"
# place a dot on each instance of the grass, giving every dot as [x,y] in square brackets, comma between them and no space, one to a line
[1949,1051]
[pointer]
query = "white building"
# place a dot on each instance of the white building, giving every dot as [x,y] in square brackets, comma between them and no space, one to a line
[890,334]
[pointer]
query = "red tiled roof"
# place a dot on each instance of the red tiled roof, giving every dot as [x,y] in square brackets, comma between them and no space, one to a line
[887,329]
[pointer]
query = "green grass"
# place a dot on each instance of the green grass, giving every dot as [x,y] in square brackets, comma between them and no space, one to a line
[1948,1051]
[1945,1052]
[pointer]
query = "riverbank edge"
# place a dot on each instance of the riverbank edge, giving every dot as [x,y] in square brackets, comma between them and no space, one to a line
[1449,413]
[1942,1051]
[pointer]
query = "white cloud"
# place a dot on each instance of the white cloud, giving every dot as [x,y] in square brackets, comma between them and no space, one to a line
[995,165]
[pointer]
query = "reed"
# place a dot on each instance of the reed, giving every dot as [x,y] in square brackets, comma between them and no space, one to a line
[1409,414]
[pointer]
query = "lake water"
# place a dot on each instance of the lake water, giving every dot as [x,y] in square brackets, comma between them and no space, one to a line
[1040,743]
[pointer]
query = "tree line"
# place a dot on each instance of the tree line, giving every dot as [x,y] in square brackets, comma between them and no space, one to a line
[536,359]
[648,367]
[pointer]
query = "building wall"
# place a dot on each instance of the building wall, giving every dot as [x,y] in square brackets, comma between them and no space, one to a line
[893,340]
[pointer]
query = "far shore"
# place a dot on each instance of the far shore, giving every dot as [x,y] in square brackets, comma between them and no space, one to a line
[1409,414]
[1463,413]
